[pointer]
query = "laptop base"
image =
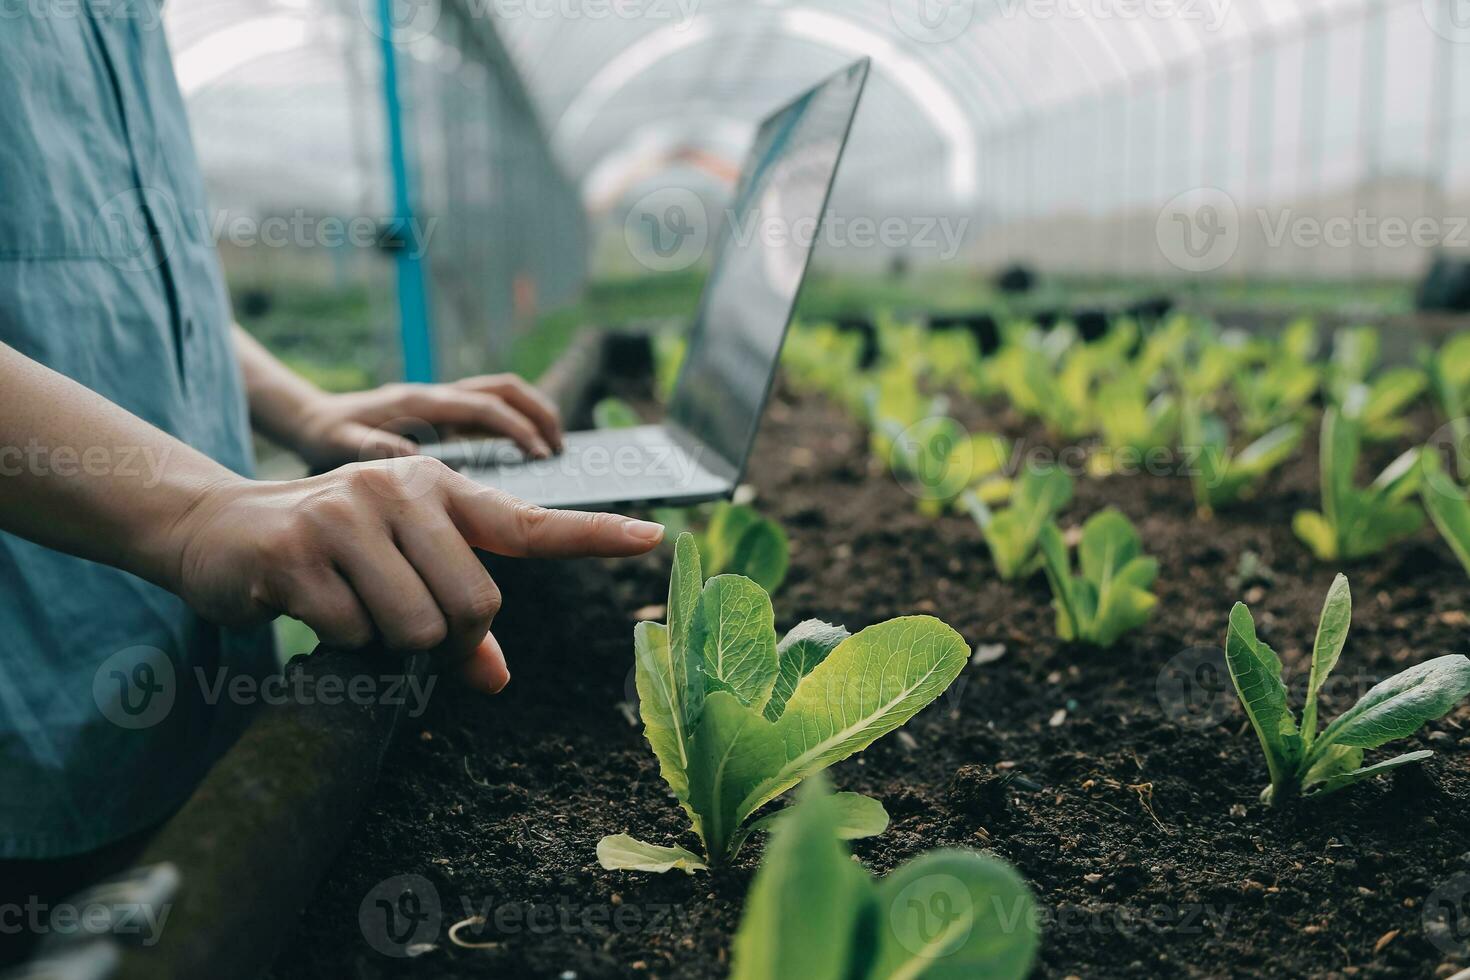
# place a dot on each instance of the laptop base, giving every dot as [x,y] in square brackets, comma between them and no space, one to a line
[647,466]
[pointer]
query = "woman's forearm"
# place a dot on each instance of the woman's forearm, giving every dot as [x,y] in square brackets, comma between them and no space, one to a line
[81,475]
[280,399]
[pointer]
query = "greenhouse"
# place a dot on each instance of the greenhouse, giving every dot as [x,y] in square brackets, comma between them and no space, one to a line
[767,489]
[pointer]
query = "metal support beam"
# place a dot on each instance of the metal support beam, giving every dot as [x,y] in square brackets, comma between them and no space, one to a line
[413,293]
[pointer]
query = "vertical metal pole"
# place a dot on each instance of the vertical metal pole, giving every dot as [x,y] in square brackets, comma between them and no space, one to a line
[1262,138]
[413,294]
[1313,116]
[1370,123]
[1441,117]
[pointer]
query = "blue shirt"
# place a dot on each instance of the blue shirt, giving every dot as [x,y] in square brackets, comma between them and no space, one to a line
[110,704]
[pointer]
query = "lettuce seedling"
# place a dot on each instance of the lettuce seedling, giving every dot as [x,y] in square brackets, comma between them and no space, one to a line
[938,461]
[1302,760]
[740,541]
[1383,398]
[1112,595]
[1275,394]
[614,413]
[1060,397]
[1013,535]
[820,357]
[893,402]
[1448,505]
[1133,423]
[736,719]
[1448,371]
[815,914]
[1356,522]
[1221,476]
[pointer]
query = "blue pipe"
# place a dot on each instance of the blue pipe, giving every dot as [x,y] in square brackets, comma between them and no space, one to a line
[413,294]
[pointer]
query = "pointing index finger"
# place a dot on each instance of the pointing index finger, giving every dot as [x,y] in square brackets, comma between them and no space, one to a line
[495,521]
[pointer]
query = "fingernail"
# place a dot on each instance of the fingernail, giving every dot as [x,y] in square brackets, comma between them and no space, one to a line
[503,684]
[646,531]
[541,450]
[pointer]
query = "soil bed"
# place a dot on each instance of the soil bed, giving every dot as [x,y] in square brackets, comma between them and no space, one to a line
[1132,803]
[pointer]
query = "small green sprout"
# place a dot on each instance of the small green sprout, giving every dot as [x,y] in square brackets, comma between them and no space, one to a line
[1302,760]
[938,461]
[1448,371]
[1014,534]
[820,357]
[1220,476]
[1281,382]
[1382,398]
[1134,424]
[1112,595]
[740,541]
[614,413]
[815,914]
[736,718]
[1356,522]
[1448,504]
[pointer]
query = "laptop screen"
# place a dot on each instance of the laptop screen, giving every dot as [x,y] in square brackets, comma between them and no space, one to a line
[761,253]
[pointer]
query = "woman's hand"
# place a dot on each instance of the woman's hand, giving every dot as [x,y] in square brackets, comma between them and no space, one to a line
[378,552]
[335,429]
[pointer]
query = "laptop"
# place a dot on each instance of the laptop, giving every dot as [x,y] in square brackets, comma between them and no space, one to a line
[762,251]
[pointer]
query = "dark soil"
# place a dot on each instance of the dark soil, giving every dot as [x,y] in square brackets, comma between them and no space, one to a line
[1123,784]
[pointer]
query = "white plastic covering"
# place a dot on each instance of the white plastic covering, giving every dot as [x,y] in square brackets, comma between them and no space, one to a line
[1064,132]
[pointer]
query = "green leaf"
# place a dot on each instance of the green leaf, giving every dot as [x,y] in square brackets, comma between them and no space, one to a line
[1448,506]
[1059,573]
[614,413]
[1332,632]
[735,634]
[1390,393]
[1256,672]
[807,645]
[1334,761]
[955,915]
[802,914]
[763,555]
[1109,542]
[869,685]
[1400,479]
[620,852]
[663,705]
[1041,492]
[727,524]
[1013,534]
[732,751]
[1268,452]
[1111,597]
[1314,531]
[686,582]
[1337,781]
[1401,705]
[858,816]
[1340,445]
